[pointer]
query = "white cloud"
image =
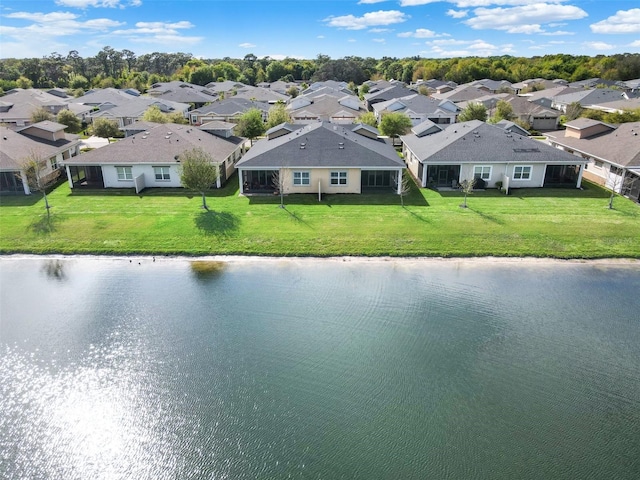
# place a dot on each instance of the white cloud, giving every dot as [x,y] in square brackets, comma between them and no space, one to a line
[352,40]
[457,13]
[371,19]
[55,24]
[622,22]
[379,40]
[558,33]
[380,30]
[599,45]
[155,28]
[320,36]
[523,19]
[450,47]
[98,3]
[487,3]
[415,3]
[247,45]
[635,44]
[368,2]
[419,33]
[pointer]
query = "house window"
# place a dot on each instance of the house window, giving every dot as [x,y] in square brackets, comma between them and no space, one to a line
[301,178]
[482,171]
[124,173]
[522,172]
[162,173]
[53,161]
[598,163]
[338,178]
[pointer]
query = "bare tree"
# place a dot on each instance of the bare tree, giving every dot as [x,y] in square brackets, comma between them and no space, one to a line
[405,186]
[279,180]
[32,173]
[467,188]
[617,182]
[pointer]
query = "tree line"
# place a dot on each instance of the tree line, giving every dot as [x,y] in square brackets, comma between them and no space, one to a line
[124,69]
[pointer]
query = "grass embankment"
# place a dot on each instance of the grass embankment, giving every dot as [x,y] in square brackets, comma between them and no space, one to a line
[536,222]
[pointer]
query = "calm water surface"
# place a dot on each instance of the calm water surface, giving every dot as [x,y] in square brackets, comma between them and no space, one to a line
[110,369]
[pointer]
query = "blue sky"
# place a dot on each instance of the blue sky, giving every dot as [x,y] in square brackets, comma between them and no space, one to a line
[306,28]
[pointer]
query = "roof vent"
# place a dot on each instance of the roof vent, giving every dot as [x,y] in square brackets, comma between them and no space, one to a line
[144,136]
[167,136]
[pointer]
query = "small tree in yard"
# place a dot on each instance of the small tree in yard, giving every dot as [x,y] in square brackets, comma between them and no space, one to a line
[473,111]
[405,187]
[71,120]
[40,115]
[250,124]
[395,124]
[279,179]
[467,188]
[105,128]
[31,174]
[197,172]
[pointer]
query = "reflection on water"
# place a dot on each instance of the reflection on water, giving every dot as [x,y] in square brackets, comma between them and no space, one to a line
[54,269]
[317,369]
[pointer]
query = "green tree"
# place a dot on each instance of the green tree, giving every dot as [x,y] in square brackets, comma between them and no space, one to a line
[177,117]
[198,172]
[504,111]
[40,115]
[395,124]
[293,91]
[473,111]
[368,118]
[24,82]
[155,115]
[277,115]
[105,128]
[250,124]
[70,119]
[574,110]
[78,81]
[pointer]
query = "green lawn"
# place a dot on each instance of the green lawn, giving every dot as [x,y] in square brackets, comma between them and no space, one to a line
[536,222]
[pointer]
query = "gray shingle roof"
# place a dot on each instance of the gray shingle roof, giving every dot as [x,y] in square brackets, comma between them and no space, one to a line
[620,146]
[321,145]
[157,147]
[479,142]
[14,147]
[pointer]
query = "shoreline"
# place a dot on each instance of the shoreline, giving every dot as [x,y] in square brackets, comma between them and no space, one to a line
[239,259]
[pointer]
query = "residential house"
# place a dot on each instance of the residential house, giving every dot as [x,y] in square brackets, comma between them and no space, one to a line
[150,158]
[326,108]
[227,110]
[44,140]
[263,95]
[419,108]
[461,93]
[182,92]
[491,86]
[587,97]
[444,157]
[612,152]
[321,158]
[18,105]
[396,90]
[537,84]
[123,107]
[537,116]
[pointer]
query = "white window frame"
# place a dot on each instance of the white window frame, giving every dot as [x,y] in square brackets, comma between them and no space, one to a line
[301,178]
[524,170]
[124,174]
[163,172]
[338,178]
[53,162]
[482,172]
